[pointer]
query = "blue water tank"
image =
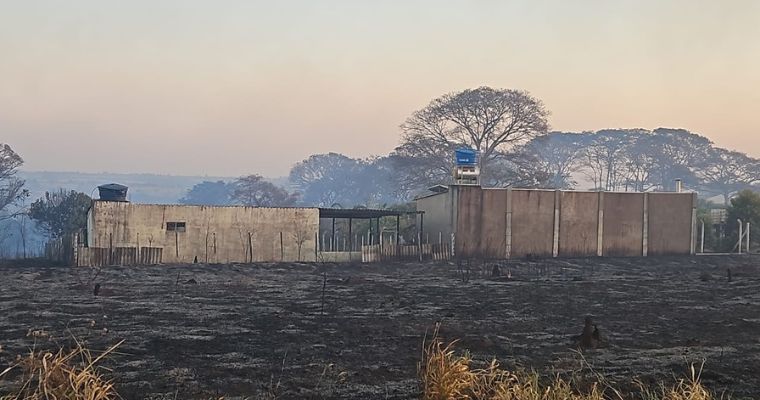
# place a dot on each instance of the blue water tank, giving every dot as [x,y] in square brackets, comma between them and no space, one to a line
[466,157]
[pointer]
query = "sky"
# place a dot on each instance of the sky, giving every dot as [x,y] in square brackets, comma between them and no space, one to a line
[234,87]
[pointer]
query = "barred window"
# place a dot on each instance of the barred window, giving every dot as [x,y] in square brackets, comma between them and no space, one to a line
[175,226]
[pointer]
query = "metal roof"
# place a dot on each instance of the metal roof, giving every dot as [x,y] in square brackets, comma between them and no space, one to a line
[360,213]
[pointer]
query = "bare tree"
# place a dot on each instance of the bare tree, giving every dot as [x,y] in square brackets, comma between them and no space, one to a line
[487,120]
[253,190]
[11,187]
[557,156]
[604,159]
[640,161]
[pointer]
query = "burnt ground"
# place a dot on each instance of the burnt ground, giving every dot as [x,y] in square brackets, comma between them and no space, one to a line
[255,330]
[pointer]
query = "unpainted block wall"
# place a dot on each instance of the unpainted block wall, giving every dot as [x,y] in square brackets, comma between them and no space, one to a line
[438,215]
[532,222]
[579,224]
[478,218]
[670,223]
[480,232]
[212,234]
[623,224]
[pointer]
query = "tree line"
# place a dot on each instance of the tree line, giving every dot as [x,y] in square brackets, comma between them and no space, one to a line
[510,131]
[508,128]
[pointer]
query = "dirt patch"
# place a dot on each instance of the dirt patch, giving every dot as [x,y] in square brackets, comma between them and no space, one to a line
[195,331]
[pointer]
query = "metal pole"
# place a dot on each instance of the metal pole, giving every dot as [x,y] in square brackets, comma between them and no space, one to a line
[422,225]
[398,227]
[741,235]
[746,248]
[702,234]
[350,237]
[332,238]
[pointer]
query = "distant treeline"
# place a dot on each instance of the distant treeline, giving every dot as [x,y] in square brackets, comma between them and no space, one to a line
[509,129]
[610,160]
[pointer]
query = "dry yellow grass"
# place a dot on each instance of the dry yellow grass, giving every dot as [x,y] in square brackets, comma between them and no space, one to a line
[448,375]
[445,374]
[70,375]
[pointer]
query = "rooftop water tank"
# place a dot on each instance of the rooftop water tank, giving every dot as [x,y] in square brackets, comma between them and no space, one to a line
[466,156]
[113,192]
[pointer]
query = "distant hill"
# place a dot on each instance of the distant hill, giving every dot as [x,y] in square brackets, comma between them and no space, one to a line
[143,188]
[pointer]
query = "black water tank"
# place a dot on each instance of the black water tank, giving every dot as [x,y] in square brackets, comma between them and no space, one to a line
[113,192]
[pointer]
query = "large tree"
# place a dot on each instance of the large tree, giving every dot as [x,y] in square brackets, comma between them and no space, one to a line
[678,154]
[11,187]
[209,193]
[726,172]
[490,121]
[334,179]
[556,156]
[603,159]
[61,212]
[327,179]
[254,191]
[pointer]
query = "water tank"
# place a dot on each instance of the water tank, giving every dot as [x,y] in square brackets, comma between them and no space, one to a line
[466,156]
[113,192]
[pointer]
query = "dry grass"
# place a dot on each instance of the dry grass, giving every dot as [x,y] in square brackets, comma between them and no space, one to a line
[446,374]
[72,374]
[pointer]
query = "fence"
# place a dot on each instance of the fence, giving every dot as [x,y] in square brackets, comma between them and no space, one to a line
[415,252]
[65,250]
[61,250]
[102,256]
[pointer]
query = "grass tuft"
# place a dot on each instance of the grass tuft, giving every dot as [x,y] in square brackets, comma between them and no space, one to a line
[446,374]
[70,375]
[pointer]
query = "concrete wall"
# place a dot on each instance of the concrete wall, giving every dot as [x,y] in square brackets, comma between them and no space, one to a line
[212,234]
[439,215]
[670,223]
[480,232]
[623,224]
[560,223]
[579,224]
[532,222]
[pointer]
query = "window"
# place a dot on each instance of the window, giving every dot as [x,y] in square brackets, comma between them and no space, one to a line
[175,226]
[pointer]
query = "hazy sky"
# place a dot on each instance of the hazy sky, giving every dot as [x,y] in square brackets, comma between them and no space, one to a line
[236,87]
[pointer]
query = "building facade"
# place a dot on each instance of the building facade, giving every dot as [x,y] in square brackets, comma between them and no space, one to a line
[506,223]
[208,234]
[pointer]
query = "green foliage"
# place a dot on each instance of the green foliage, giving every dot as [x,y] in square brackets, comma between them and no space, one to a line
[704,216]
[745,207]
[61,212]
[209,193]
[254,191]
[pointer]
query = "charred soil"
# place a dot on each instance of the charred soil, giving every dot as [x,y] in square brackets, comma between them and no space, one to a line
[356,331]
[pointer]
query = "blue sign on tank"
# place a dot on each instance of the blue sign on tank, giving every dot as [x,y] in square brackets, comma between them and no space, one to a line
[466,157]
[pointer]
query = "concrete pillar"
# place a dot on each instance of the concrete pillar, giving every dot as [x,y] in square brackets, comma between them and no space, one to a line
[555,242]
[600,227]
[645,227]
[350,234]
[508,230]
[693,245]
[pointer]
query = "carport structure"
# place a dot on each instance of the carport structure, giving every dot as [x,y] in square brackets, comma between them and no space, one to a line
[368,214]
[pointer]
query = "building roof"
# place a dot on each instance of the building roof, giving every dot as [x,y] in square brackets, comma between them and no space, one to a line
[359,213]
